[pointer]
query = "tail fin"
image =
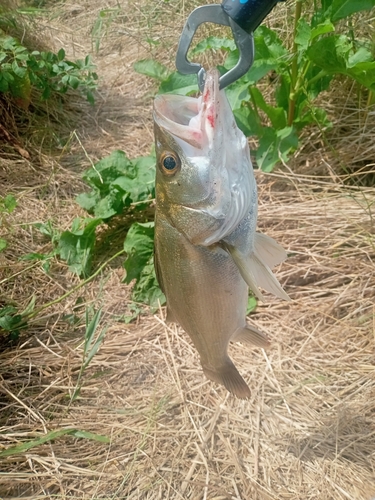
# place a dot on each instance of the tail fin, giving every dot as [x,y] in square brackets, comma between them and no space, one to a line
[255,269]
[228,376]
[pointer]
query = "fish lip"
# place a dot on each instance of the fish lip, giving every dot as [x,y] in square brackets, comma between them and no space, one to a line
[193,120]
[163,108]
[173,114]
[210,102]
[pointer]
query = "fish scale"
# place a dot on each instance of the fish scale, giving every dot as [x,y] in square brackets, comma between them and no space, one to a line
[207,252]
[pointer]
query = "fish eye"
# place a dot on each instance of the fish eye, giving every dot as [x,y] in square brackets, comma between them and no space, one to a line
[170,163]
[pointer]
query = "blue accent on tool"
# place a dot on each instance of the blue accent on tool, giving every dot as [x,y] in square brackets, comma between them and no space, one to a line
[248,14]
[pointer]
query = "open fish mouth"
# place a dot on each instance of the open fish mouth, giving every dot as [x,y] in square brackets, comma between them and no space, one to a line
[194,120]
[177,115]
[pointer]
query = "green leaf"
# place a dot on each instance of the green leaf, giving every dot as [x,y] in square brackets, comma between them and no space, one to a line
[92,345]
[10,320]
[251,304]
[61,54]
[90,97]
[331,53]
[139,247]
[89,201]
[91,326]
[110,205]
[135,311]
[345,8]
[269,46]
[74,82]
[23,447]
[326,4]
[321,29]
[248,121]
[76,246]
[363,73]
[47,229]
[151,68]
[282,92]
[316,81]
[274,146]
[35,256]
[51,436]
[3,244]
[303,34]
[335,54]
[19,71]
[7,310]
[362,55]
[312,115]
[118,182]
[109,169]
[213,43]
[259,69]
[30,307]
[276,115]
[232,59]
[90,435]
[4,86]
[8,77]
[237,93]
[179,84]
[147,289]
[8,203]
[142,187]
[95,347]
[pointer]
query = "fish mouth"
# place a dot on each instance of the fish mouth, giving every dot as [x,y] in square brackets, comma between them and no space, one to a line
[191,119]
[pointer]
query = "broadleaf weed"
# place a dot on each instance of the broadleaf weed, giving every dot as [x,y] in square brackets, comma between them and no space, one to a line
[321,50]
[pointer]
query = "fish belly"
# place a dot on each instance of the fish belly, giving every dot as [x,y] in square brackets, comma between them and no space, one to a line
[206,295]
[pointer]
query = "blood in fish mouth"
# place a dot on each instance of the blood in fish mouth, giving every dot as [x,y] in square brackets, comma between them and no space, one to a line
[211,119]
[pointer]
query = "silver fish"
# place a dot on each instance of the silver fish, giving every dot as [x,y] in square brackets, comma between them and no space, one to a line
[207,252]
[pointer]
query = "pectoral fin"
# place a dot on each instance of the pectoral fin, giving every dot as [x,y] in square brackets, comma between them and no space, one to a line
[251,335]
[255,272]
[265,278]
[245,267]
[228,376]
[268,250]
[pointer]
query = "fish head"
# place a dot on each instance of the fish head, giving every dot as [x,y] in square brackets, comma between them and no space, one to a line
[203,163]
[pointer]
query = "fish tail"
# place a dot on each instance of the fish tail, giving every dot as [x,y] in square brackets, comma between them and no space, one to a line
[228,376]
[251,335]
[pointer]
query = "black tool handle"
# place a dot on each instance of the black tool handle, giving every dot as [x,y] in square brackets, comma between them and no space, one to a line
[248,14]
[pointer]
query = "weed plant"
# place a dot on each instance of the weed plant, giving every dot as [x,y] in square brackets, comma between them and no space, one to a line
[324,46]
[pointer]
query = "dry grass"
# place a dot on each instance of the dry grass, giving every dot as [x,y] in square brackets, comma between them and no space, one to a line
[308,431]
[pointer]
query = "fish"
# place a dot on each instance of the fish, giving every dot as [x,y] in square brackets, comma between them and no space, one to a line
[207,252]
